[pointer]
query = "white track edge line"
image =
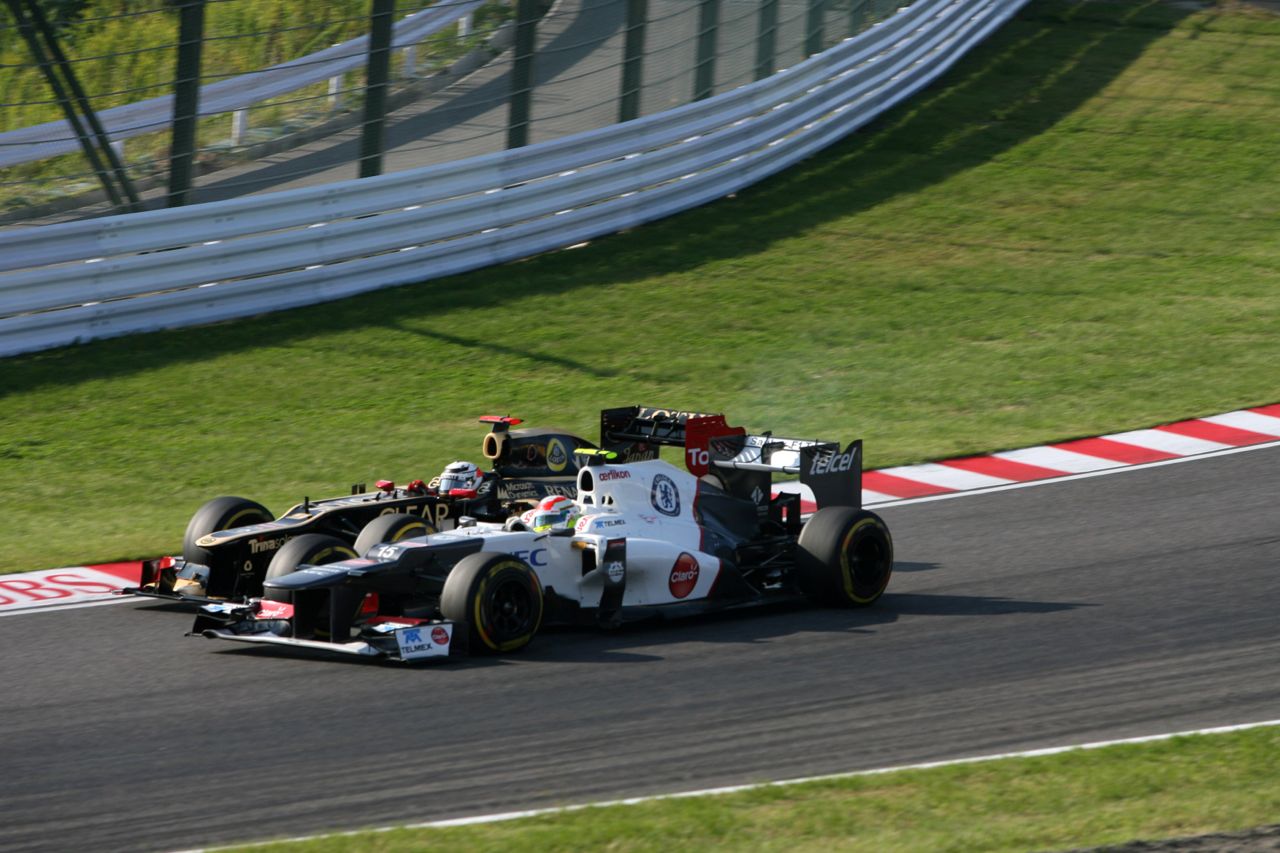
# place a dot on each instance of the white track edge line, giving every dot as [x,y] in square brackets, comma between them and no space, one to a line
[756,786]
[1228,451]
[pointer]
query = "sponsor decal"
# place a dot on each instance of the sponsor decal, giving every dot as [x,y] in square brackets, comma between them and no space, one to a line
[517,491]
[615,570]
[664,495]
[418,642]
[557,455]
[757,495]
[582,523]
[258,546]
[613,474]
[726,449]
[435,513]
[525,491]
[536,557]
[684,576]
[647,412]
[833,463]
[607,522]
[274,610]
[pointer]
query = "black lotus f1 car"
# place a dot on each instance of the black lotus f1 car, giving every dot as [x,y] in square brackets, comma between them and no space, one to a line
[230,542]
[642,538]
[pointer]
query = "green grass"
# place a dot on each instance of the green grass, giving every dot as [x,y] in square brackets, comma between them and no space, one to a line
[125,51]
[1072,233]
[1186,786]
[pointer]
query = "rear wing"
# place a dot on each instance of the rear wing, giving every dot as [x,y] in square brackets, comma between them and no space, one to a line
[636,433]
[744,464]
[834,477]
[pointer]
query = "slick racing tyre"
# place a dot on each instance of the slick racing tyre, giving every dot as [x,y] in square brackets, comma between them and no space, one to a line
[309,549]
[497,597]
[391,528]
[845,557]
[219,514]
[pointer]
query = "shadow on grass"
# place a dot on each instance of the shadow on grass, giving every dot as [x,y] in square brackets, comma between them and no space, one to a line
[1031,74]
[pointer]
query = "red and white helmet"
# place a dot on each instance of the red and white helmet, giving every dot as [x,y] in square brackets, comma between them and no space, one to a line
[554,512]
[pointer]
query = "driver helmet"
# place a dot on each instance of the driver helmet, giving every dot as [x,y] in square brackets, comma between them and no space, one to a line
[459,475]
[554,512]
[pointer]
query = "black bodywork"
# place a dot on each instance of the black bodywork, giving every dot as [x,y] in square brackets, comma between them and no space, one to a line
[754,533]
[527,465]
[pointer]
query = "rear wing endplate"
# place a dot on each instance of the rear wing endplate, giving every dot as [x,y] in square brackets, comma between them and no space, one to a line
[834,477]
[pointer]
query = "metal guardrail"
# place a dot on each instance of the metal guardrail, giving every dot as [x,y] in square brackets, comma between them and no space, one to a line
[51,139]
[141,272]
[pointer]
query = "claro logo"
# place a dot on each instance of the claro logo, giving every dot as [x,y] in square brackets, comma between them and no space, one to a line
[684,576]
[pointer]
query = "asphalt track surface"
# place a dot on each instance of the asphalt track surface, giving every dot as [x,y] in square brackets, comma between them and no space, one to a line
[1066,612]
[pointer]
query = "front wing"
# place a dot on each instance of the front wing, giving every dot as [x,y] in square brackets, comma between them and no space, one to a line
[398,639]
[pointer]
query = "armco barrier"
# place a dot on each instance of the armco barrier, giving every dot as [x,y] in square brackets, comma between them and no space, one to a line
[163,269]
[234,93]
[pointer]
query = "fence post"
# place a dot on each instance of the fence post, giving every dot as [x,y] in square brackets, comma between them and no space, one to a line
[857,16]
[633,60]
[522,74]
[381,14]
[767,38]
[705,74]
[813,27]
[186,100]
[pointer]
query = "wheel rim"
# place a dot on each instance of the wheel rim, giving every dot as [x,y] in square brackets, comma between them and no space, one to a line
[509,606]
[867,564]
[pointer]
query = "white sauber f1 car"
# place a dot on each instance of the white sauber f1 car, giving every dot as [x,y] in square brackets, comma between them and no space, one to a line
[643,538]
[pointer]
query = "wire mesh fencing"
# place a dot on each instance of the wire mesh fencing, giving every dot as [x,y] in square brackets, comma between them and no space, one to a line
[451,95]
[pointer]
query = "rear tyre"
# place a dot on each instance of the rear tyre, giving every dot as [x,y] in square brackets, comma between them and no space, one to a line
[222,513]
[844,557]
[391,528]
[312,549]
[497,597]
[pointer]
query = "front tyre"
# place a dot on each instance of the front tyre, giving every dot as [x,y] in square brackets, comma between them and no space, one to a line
[391,528]
[844,557]
[222,513]
[498,597]
[313,549]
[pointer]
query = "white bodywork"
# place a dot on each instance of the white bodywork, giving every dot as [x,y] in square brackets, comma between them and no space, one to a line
[650,504]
